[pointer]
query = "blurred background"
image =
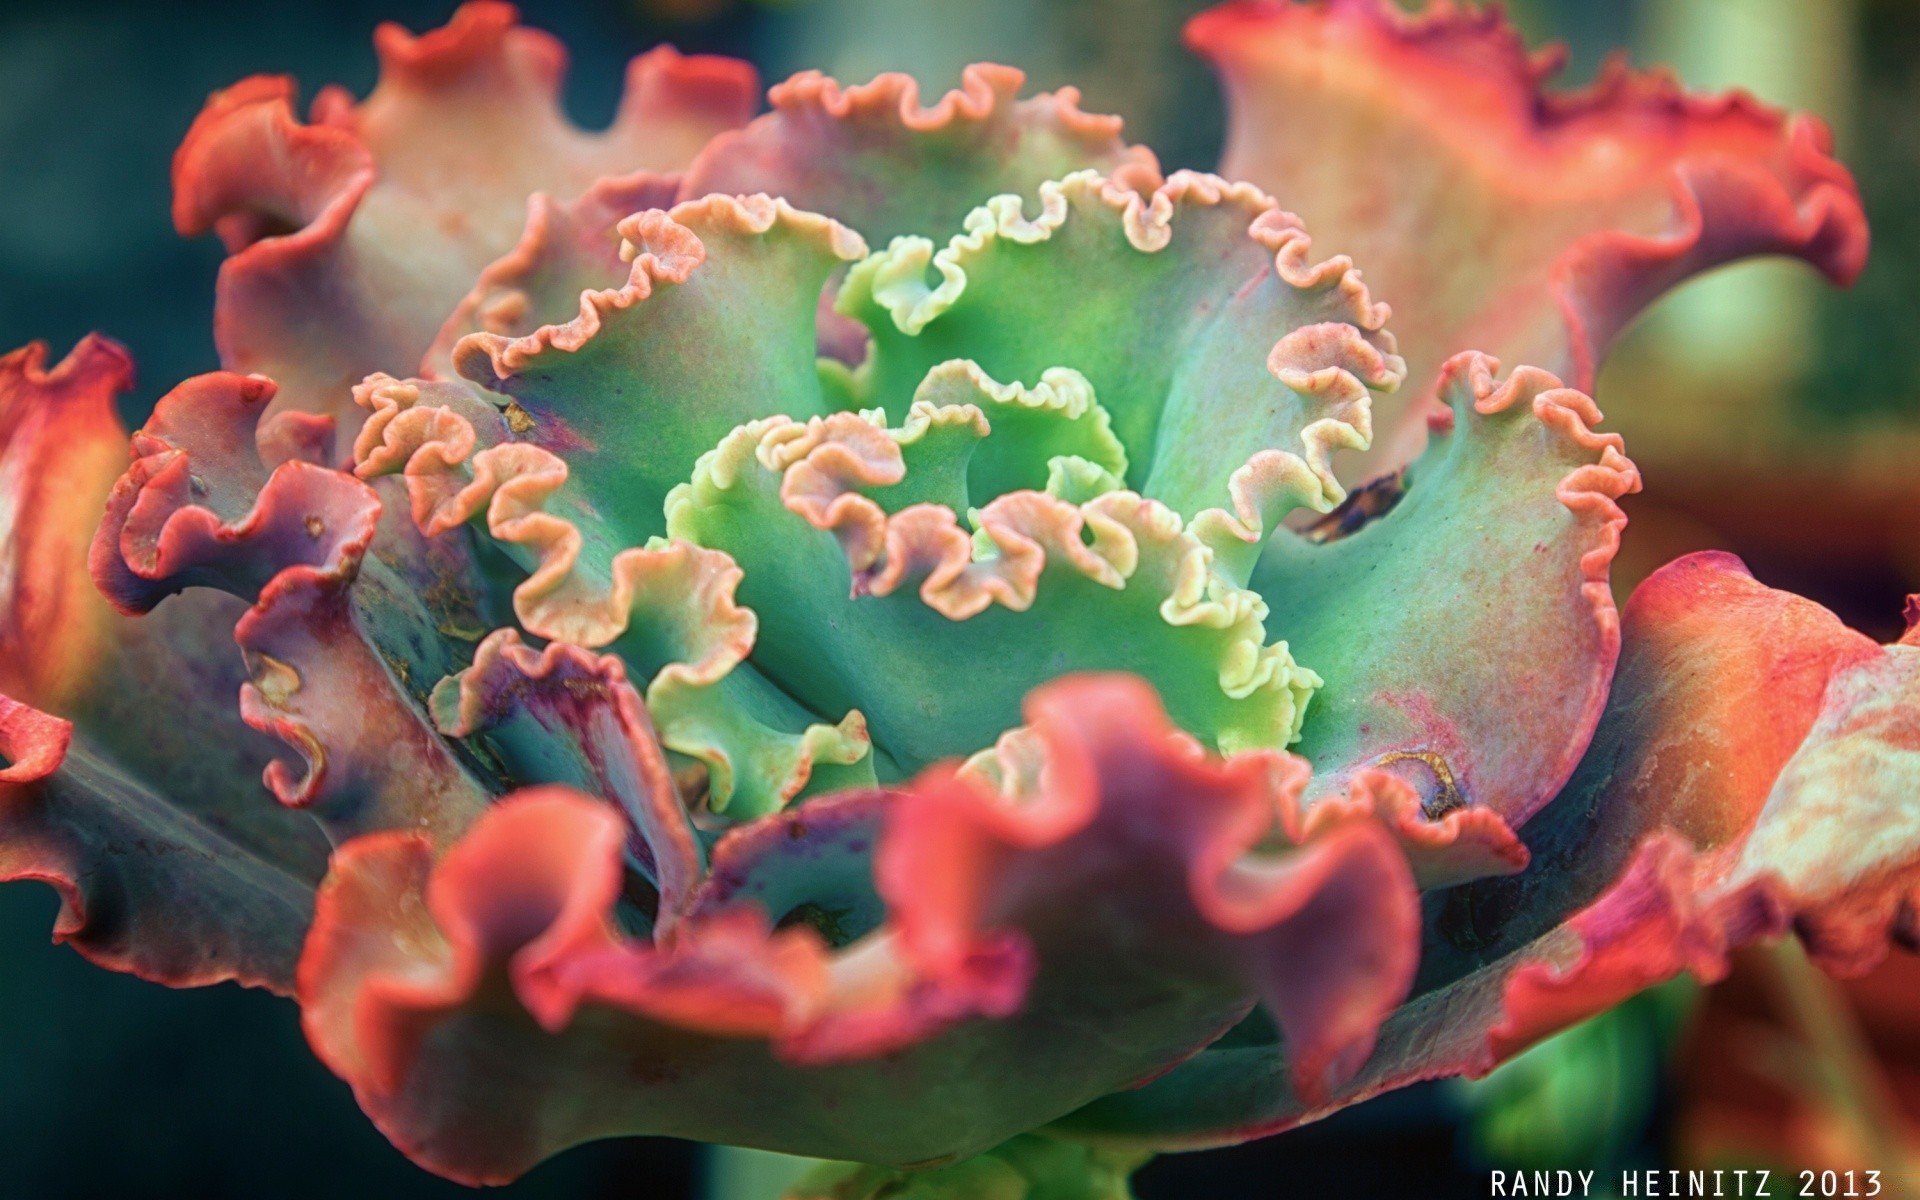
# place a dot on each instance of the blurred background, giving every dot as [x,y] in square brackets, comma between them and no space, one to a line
[1769,414]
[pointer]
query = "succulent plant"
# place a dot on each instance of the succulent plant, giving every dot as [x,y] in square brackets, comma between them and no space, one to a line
[904,635]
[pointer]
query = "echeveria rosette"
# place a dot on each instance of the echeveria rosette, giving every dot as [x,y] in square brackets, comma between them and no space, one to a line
[780,621]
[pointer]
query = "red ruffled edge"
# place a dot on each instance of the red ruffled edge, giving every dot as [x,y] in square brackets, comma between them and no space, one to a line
[1703,819]
[589,695]
[217,498]
[35,405]
[485,34]
[32,747]
[279,193]
[254,173]
[567,244]
[1328,934]
[163,531]
[80,386]
[62,443]
[480,34]
[947,840]
[892,99]
[1807,205]
[1661,917]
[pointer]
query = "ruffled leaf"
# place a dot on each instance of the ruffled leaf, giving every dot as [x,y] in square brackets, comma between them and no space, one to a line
[1499,216]
[1058,417]
[353,237]
[1483,592]
[668,607]
[1704,816]
[563,715]
[1064,442]
[713,327]
[1044,587]
[1093,932]
[1193,310]
[873,157]
[131,787]
[564,250]
[216,498]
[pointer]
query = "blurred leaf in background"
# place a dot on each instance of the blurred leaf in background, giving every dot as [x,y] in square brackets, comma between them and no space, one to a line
[1769,415]
[1787,1068]
[1586,1097]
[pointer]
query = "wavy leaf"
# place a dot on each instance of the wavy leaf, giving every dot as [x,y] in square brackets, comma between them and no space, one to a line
[873,157]
[1482,592]
[329,660]
[668,607]
[1257,349]
[713,327]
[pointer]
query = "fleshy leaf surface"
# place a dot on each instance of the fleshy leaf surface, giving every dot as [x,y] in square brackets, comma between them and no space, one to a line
[1483,592]
[565,249]
[668,607]
[1235,339]
[713,327]
[564,715]
[791,527]
[1042,587]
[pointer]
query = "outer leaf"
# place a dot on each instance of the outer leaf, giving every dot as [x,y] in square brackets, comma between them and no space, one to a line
[1495,215]
[142,807]
[51,621]
[1701,818]
[1096,932]
[352,238]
